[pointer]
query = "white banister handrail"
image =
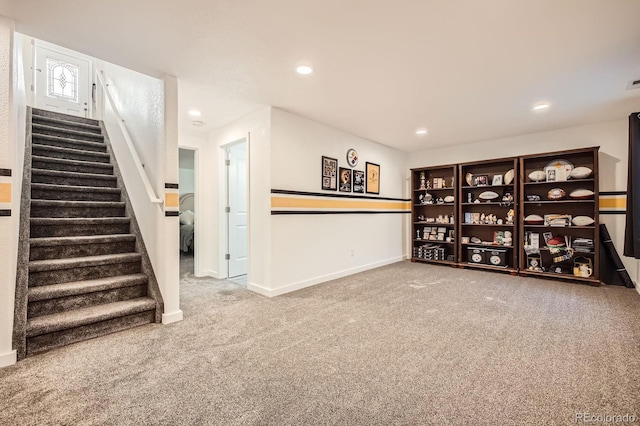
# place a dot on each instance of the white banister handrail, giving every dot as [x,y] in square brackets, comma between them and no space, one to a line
[134,154]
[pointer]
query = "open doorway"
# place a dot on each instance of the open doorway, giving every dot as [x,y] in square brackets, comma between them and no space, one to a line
[188,212]
[236,211]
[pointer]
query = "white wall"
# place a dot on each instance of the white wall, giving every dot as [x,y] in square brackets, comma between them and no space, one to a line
[13,105]
[139,99]
[148,108]
[186,180]
[256,126]
[7,224]
[309,249]
[612,137]
[186,171]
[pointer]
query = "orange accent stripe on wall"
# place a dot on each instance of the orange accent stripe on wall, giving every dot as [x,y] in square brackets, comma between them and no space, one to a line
[619,202]
[171,199]
[5,192]
[313,203]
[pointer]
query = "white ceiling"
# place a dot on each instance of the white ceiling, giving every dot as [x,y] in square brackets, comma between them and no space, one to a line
[467,70]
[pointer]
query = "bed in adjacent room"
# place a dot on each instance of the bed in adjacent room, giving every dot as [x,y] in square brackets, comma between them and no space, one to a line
[187,221]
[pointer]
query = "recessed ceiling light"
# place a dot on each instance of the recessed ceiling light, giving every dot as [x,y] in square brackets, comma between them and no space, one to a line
[304,69]
[198,123]
[194,113]
[541,106]
[421,131]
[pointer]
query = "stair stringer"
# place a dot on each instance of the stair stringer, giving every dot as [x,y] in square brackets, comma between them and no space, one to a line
[22,270]
[153,289]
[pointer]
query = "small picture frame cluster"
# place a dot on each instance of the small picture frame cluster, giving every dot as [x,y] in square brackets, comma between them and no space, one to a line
[345,179]
[351,180]
[329,173]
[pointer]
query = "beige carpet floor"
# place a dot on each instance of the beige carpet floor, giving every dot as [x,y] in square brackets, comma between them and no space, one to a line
[403,344]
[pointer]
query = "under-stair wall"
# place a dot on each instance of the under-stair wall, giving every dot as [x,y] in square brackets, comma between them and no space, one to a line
[83,269]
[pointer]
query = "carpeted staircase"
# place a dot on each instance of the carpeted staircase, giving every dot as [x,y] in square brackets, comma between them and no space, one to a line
[85,272]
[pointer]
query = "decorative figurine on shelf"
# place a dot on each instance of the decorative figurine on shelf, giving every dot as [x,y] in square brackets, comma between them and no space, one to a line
[483,218]
[469,198]
[508,238]
[453,181]
[428,184]
[507,199]
[418,234]
[428,198]
[423,180]
[510,215]
[451,220]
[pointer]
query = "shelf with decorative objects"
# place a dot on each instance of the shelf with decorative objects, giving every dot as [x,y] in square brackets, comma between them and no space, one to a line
[534,215]
[488,213]
[434,214]
[559,217]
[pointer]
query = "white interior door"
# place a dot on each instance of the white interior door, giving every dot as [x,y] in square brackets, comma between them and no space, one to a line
[237,211]
[62,82]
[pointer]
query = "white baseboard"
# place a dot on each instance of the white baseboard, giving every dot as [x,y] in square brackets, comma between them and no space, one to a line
[8,359]
[321,279]
[172,317]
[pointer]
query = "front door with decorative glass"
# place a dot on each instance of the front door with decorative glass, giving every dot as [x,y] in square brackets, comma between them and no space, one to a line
[62,81]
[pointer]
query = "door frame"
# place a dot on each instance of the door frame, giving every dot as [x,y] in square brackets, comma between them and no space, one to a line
[35,43]
[223,223]
[196,206]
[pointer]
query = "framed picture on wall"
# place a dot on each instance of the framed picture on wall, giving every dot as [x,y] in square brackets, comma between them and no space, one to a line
[329,173]
[345,180]
[373,178]
[358,181]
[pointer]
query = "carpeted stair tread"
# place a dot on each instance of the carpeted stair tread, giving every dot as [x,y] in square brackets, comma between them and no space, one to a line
[40,128]
[68,221]
[58,122]
[55,291]
[36,112]
[82,145]
[73,188]
[87,239]
[89,315]
[60,173]
[82,262]
[62,150]
[65,203]
[55,160]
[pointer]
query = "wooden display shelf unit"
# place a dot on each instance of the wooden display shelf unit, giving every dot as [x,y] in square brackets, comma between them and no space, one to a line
[434,221]
[488,218]
[470,215]
[553,263]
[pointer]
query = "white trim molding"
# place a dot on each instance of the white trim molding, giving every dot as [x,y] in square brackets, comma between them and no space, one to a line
[321,279]
[8,359]
[172,317]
